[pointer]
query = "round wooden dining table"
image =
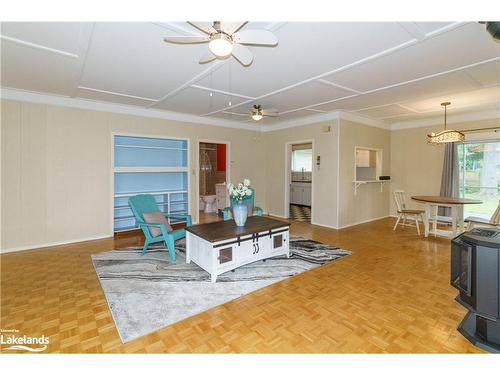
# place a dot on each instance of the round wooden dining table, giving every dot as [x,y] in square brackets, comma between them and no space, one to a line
[433,202]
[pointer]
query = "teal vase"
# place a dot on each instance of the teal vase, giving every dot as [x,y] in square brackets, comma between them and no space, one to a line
[240,214]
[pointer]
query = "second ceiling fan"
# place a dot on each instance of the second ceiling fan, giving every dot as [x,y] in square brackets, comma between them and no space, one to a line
[257,113]
[225,39]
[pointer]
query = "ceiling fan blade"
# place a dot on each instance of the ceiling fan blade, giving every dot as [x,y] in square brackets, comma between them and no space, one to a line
[269,114]
[236,113]
[186,39]
[206,27]
[257,37]
[207,57]
[232,27]
[242,54]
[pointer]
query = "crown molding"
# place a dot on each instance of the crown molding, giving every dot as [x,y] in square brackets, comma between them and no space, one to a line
[314,119]
[65,101]
[350,116]
[453,119]
[326,116]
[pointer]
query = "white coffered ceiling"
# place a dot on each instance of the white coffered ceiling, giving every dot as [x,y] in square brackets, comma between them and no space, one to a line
[388,71]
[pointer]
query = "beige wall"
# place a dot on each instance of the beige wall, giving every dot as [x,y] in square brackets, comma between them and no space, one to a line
[415,165]
[56,175]
[369,203]
[324,179]
[56,169]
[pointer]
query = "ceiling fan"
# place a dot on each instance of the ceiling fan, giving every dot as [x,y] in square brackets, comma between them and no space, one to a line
[257,113]
[224,39]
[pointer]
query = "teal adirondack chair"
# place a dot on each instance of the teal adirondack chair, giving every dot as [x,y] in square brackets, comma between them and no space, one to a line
[144,203]
[256,211]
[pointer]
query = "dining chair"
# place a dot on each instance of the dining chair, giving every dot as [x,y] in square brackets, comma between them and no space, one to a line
[494,221]
[146,203]
[403,211]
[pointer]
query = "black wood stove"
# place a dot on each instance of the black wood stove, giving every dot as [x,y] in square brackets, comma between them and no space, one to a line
[475,272]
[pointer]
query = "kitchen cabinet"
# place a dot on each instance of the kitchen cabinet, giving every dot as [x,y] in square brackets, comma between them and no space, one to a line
[300,193]
[366,158]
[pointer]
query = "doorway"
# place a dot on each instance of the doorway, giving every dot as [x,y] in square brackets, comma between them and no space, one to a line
[299,180]
[213,175]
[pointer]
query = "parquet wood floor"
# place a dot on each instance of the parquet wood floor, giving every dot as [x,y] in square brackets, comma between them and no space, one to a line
[391,296]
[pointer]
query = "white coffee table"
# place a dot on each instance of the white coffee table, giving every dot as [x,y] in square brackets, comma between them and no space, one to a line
[222,246]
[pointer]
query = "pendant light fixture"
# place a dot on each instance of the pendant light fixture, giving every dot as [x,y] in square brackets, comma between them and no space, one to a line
[446,136]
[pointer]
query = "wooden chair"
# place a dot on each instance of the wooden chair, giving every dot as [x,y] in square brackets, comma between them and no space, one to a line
[403,211]
[493,222]
[144,203]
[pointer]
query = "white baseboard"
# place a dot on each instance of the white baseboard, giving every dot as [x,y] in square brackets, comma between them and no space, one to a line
[323,225]
[50,244]
[364,222]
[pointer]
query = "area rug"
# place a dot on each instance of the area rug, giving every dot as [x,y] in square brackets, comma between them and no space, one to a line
[146,293]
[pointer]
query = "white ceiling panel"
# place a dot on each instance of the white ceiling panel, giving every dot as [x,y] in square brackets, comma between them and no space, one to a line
[233,117]
[486,74]
[296,114]
[441,85]
[132,58]
[36,70]
[458,100]
[441,53]
[452,110]
[431,27]
[129,63]
[410,117]
[197,101]
[385,111]
[303,95]
[306,50]
[63,36]
[108,97]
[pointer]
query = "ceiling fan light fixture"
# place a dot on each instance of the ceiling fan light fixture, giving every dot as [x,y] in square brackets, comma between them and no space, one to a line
[257,116]
[221,45]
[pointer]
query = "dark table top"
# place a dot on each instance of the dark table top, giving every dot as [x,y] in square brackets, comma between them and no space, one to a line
[224,230]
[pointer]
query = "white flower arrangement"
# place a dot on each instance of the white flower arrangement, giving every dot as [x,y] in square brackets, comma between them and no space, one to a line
[240,191]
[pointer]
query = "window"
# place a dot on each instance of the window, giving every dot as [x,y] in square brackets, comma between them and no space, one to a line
[302,160]
[149,165]
[479,166]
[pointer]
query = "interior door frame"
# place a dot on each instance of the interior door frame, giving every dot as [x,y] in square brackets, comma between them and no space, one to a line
[288,174]
[197,170]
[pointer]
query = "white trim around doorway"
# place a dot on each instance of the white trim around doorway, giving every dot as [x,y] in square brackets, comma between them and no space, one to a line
[197,171]
[288,175]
